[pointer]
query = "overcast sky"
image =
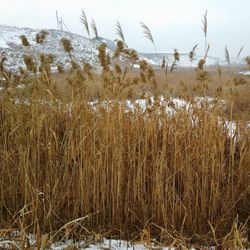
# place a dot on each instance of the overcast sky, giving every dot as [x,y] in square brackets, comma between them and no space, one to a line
[174,24]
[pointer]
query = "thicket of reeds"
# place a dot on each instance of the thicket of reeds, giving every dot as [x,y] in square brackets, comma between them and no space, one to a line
[71,170]
[181,176]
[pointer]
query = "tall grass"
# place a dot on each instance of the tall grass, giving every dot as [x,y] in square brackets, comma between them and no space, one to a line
[181,175]
[69,169]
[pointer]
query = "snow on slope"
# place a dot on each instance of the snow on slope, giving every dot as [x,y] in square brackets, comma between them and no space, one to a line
[10,42]
[84,49]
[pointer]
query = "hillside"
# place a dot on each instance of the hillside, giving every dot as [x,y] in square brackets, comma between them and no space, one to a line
[10,42]
[84,49]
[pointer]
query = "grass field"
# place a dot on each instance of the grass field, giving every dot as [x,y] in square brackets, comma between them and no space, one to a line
[77,162]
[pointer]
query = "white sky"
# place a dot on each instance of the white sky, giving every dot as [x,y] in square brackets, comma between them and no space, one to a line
[174,24]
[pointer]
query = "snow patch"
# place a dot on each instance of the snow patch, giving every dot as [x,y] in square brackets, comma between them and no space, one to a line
[245,73]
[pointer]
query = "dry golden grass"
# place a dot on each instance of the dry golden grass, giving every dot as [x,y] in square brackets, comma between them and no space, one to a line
[124,171]
[220,83]
[69,170]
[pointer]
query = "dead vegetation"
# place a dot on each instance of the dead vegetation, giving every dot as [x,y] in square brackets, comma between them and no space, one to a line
[68,169]
[41,36]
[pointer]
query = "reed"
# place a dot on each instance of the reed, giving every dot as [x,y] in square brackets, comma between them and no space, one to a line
[67,46]
[147,34]
[227,56]
[24,40]
[41,36]
[122,169]
[192,54]
[79,165]
[94,28]
[247,60]
[204,28]
[119,32]
[85,23]
[240,51]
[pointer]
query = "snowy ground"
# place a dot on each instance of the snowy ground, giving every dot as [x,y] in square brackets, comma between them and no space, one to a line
[245,73]
[108,244]
[105,244]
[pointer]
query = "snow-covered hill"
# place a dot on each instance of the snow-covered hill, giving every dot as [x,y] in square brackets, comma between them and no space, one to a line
[84,49]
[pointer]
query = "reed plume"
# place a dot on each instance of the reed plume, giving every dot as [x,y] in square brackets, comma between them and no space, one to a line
[176,55]
[24,40]
[173,66]
[202,61]
[60,68]
[29,62]
[67,45]
[147,34]
[41,36]
[247,60]
[204,28]
[163,64]
[227,55]
[84,21]
[192,54]
[119,31]
[238,55]
[3,59]
[94,28]
[176,59]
